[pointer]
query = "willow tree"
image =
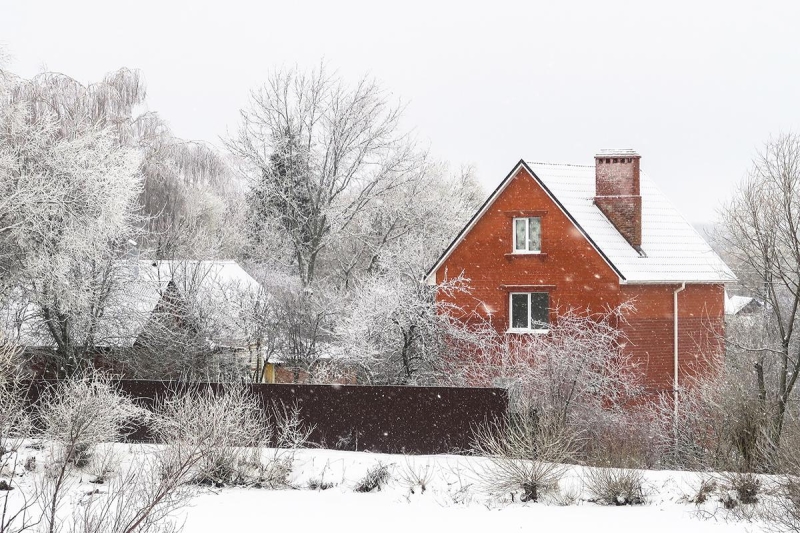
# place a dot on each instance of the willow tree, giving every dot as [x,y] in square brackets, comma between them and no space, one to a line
[69,191]
[84,173]
[317,152]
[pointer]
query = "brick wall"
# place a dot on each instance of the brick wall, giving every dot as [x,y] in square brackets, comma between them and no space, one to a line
[650,330]
[568,266]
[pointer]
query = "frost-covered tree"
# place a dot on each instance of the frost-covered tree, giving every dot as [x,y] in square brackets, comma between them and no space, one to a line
[761,233]
[412,223]
[393,324]
[317,152]
[82,175]
[69,203]
[189,194]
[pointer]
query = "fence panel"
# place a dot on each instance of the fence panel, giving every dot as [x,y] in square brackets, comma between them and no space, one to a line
[387,419]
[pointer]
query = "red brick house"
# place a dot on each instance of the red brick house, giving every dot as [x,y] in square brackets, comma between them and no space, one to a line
[591,237]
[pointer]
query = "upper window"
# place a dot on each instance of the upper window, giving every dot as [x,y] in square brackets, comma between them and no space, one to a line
[528,235]
[530,311]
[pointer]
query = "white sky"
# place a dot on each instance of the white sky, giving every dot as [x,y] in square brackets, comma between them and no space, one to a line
[695,87]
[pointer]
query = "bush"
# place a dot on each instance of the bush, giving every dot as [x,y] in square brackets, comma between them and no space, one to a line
[318,484]
[707,486]
[615,486]
[746,486]
[228,430]
[81,412]
[525,454]
[218,426]
[412,476]
[376,478]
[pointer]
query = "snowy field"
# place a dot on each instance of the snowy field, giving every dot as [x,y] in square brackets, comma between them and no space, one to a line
[453,501]
[322,497]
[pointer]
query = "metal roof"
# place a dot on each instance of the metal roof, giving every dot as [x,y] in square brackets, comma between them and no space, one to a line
[673,250]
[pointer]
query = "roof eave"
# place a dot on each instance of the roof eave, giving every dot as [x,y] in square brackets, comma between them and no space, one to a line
[677,281]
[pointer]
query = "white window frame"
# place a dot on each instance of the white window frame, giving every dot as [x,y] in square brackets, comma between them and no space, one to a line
[527,235]
[527,329]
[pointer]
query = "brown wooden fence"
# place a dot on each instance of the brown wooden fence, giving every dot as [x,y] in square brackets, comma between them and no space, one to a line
[388,419]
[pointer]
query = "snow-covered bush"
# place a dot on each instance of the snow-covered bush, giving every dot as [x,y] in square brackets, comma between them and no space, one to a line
[80,413]
[377,477]
[76,415]
[526,454]
[616,486]
[227,429]
[143,498]
[746,486]
[415,476]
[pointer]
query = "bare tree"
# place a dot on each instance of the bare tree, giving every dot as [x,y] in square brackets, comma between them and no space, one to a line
[317,152]
[762,234]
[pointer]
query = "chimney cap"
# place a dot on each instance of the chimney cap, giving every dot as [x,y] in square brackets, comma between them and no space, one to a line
[617,152]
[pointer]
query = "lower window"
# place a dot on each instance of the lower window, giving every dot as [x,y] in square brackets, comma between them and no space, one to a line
[530,311]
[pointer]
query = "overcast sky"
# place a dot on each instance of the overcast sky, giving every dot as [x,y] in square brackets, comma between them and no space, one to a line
[696,87]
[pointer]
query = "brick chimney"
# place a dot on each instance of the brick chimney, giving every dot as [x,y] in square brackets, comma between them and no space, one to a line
[617,192]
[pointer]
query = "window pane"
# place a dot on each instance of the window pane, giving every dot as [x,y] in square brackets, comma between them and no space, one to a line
[519,228]
[535,234]
[519,311]
[540,314]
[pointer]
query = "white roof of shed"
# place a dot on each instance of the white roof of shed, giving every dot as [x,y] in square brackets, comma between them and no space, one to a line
[218,285]
[673,250]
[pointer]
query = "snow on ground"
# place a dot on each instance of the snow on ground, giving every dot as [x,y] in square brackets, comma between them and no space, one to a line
[454,500]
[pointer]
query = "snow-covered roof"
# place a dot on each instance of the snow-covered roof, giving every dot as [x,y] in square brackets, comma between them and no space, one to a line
[617,152]
[673,251]
[216,284]
[734,303]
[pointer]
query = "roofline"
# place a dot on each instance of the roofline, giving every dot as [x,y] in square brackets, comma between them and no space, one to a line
[490,200]
[678,281]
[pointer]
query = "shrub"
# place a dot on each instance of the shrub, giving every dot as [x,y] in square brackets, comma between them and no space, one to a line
[218,426]
[615,486]
[525,454]
[564,497]
[412,476]
[707,486]
[746,486]
[81,412]
[376,478]
[228,430]
[318,484]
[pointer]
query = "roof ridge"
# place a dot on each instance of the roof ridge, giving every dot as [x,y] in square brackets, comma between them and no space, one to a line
[558,164]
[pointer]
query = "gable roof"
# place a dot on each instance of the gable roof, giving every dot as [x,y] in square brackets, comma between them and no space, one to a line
[142,284]
[673,250]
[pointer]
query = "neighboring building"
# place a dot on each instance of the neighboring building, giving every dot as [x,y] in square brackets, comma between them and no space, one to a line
[170,308]
[741,305]
[591,237]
